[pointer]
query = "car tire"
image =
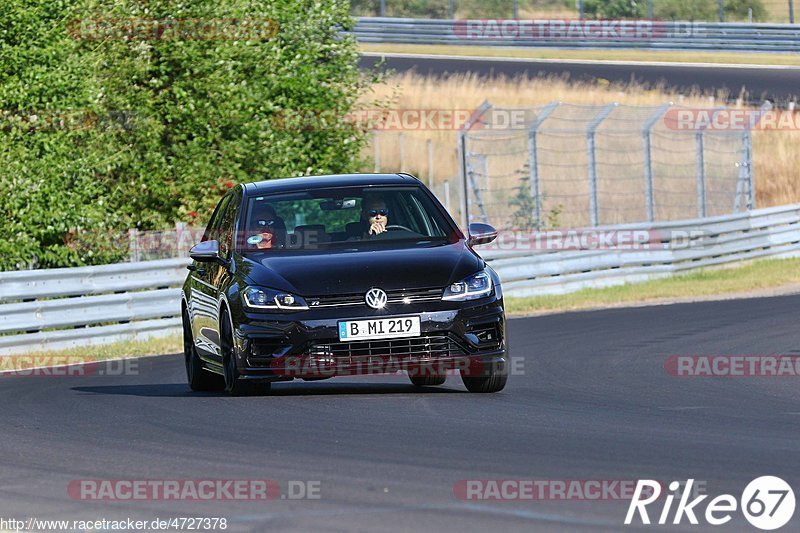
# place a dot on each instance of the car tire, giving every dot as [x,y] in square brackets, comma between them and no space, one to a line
[199,378]
[494,381]
[234,385]
[427,381]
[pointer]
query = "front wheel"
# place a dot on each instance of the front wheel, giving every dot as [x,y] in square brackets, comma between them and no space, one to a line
[198,377]
[234,384]
[493,380]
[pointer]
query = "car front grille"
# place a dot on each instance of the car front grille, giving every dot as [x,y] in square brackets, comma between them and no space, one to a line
[431,346]
[394,297]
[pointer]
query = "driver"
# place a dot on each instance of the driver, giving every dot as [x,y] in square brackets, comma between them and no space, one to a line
[375,215]
[268,228]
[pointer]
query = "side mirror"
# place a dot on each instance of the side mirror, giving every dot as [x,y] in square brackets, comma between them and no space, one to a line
[480,234]
[206,252]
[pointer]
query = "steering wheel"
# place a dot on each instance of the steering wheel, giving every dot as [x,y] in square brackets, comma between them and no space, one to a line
[398,226]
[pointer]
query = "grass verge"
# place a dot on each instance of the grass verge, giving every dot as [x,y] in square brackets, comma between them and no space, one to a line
[157,346]
[658,56]
[757,278]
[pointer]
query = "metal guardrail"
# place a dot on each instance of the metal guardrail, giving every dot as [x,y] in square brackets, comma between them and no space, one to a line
[660,35]
[72,307]
[43,310]
[772,232]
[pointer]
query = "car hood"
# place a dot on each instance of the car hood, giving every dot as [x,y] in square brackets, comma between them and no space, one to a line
[344,272]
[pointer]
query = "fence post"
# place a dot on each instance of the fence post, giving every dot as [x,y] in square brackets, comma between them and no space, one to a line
[516,9]
[466,174]
[751,182]
[383,8]
[376,147]
[401,142]
[451,9]
[701,174]
[650,9]
[533,168]
[580,9]
[721,10]
[590,142]
[430,163]
[791,11]
[180,231]
[648,161]
[133,245]
[462,170]
[446,195]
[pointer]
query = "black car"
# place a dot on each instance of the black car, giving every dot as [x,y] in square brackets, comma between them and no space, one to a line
[329,276]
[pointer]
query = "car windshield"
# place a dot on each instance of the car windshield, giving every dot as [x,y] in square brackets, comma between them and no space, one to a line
[362,218]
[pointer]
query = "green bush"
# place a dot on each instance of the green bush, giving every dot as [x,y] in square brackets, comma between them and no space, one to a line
[708,10]
[614,9]
[171,123]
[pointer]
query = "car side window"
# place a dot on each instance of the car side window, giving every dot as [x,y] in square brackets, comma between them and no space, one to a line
[212,228]
[228,224]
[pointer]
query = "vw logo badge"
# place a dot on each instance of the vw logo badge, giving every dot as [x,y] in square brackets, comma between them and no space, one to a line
[376,298]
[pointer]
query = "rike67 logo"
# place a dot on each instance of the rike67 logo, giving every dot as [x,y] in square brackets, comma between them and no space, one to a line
[767,503]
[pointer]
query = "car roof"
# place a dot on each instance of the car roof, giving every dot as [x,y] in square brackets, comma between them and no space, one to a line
[332,180]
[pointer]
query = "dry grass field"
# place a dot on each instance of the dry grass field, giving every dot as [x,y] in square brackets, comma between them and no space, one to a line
[776,153]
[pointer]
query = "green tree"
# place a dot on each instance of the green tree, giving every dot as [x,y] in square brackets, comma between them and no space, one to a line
[173,122]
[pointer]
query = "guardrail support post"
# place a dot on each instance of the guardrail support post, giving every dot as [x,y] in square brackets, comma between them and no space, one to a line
[594,209]
[648,160]
[701,174]
[533,165]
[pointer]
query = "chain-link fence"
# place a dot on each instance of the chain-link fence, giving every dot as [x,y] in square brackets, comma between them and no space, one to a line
[582,165]
[777,11]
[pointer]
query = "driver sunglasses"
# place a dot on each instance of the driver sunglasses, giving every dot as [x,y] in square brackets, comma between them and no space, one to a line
[376,212]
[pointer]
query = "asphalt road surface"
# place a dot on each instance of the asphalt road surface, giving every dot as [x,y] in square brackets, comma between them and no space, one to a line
[590,400]
[777,84]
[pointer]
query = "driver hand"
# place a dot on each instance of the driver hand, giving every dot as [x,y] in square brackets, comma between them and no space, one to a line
[266,241]
[376,229]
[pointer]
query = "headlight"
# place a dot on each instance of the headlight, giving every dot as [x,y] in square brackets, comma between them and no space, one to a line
[261,298]
[475,286]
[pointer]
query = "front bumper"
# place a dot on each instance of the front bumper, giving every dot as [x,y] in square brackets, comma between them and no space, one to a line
[469,337]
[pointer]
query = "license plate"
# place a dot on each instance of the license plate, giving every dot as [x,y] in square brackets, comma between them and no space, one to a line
[379,328]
